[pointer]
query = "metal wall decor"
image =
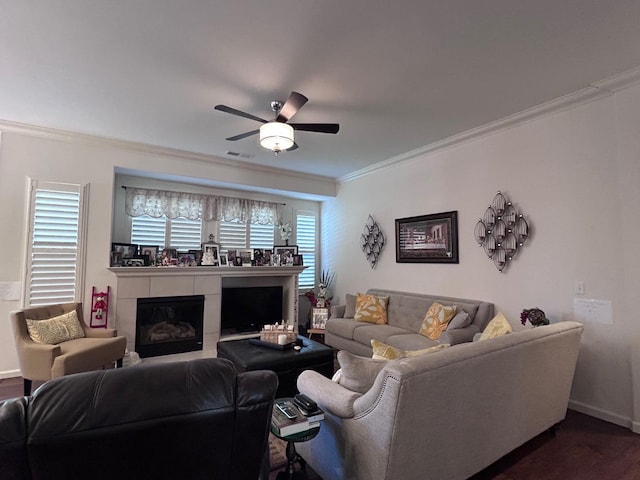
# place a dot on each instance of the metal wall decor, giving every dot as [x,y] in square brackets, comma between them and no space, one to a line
[371,241]
[501,231]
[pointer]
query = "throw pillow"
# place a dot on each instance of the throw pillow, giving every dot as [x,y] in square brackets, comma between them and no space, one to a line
[55,330]
[350,301]
[387,352]
[461,320]
[497,327]
[358,373]
[436,320]
[371,309]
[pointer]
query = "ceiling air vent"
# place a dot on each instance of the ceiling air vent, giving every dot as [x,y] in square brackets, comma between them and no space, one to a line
[247,156]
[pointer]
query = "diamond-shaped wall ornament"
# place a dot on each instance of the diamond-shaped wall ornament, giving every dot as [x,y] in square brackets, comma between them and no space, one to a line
[501,231]
[371,241]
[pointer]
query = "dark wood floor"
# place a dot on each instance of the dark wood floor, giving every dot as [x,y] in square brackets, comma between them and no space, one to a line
[583,448]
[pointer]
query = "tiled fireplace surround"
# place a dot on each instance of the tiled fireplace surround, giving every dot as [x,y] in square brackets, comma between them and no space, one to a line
[144,282]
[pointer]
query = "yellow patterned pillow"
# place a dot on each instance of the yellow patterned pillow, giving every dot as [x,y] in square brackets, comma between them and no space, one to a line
[371,308]
[497,327]
[382,351]
[436,320]
[55,330]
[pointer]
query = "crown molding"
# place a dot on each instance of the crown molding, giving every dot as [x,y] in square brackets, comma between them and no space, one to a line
[595,91]
[87,139]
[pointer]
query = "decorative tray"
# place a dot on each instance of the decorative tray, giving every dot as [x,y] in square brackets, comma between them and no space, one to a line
[274,346]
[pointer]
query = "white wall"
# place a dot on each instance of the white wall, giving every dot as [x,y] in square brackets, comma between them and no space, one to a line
[575,176]
[57,156]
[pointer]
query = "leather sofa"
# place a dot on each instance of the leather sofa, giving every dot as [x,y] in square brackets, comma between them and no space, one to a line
[444,415]
[405,313]
[189,420]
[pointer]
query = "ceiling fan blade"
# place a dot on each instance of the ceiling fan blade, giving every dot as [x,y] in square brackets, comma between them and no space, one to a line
[242,135]
[316,127]
[293,147]
[239,113]
[291,106]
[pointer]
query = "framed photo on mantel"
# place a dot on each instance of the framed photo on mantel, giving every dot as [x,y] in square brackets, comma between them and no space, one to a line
[427,238]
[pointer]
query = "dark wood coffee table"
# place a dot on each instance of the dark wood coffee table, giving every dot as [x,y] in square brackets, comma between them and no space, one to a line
[288,364]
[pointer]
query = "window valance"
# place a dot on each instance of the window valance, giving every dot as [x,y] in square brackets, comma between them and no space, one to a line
[194,206]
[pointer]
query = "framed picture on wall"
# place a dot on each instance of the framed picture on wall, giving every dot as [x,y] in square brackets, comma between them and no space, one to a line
[427,238]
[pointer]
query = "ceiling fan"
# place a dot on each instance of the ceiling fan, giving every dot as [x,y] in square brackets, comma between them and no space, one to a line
[277,135]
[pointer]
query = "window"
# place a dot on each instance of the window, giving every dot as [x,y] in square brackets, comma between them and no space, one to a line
[306,240]
[238,235]
[179,233]
[55,256]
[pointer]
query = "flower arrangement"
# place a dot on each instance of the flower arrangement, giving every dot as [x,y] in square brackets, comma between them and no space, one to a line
[535,316]
[326,279]
[285,231]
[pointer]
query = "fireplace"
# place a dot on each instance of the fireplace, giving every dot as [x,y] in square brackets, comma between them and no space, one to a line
[167,325]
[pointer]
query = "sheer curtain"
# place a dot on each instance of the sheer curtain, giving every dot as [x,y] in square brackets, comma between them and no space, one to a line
[194,206]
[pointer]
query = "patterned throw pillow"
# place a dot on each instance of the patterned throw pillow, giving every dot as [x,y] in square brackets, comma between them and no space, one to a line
[371,309]
[382,351]
[55,330]
[497,327]
[436,320]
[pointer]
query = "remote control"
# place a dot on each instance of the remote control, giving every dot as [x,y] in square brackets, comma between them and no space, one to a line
[289,412]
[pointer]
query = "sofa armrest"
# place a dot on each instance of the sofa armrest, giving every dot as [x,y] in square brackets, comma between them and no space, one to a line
[36,359]
[337,311]
[332,397]
[100,332]
[459,335]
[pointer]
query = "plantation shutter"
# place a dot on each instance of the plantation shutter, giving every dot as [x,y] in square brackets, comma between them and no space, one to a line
[232,235]
[55,256]
[185,234]
[146,230]
[261,236]
[306,240]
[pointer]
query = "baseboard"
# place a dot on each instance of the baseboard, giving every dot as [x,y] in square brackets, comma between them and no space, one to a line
[10,374]
[605,415]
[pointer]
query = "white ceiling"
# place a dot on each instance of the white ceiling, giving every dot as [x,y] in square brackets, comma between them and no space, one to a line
[396,75]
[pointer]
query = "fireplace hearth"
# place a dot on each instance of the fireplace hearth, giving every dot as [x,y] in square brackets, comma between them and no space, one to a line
[168,325]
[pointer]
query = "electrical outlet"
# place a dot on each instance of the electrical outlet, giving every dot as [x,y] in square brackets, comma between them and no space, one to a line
[579,287]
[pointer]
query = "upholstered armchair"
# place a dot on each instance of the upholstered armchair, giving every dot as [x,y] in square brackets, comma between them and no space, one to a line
[63,345]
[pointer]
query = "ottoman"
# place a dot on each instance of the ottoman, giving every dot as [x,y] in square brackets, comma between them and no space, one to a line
[287,364]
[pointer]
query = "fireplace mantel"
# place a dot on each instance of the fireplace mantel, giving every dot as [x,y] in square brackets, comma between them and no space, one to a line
[144,282]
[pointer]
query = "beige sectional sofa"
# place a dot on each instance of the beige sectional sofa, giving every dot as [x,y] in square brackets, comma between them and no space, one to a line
[442,415]
[405,313]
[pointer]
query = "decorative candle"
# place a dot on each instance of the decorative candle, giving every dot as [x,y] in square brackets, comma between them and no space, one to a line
[282,339]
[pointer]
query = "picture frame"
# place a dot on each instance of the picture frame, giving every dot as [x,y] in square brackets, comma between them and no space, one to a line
[151,251]
[210,254]
[259,257]
[237,261]
[286,253]
[128,250]
[169,256]
[223,260]
[115,259]
[197,254]
[427,238]
[298,261]
[186,259]
[231,258]
[246,254]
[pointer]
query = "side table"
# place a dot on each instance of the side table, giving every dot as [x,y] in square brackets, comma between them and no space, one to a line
[316,331]
[289,473]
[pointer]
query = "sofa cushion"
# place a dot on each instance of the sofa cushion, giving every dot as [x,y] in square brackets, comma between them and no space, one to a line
[55,330]
[344,327]
[497,327]
[371,309]
[358,373]
[411,341]
[436,320]
[350,305]
[383,351]
[365,333]
[461,320]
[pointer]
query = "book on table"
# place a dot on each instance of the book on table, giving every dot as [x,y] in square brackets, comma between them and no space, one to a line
[285,426]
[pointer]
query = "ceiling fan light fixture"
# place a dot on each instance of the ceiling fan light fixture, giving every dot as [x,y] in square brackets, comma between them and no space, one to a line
[276,136]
